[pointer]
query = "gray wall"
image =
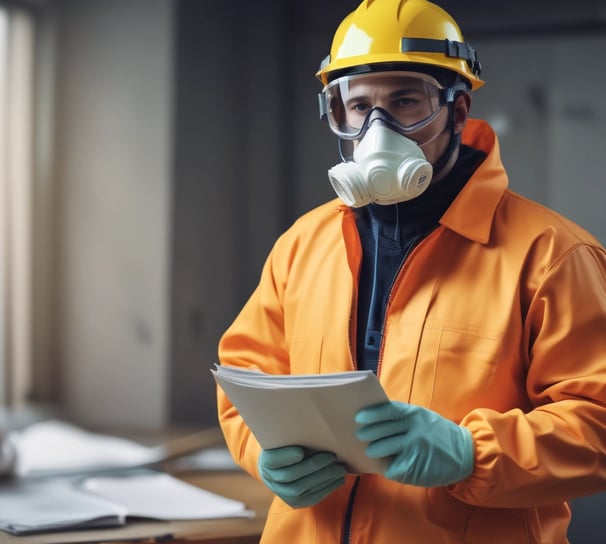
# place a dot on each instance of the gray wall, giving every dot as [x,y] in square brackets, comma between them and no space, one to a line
[113,180]
[551,121]
[251,154]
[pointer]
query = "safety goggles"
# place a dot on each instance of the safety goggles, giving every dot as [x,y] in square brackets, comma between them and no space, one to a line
[408,101]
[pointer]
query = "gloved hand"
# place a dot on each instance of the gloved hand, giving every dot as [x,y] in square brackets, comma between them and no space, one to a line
[298,480]
[428,450]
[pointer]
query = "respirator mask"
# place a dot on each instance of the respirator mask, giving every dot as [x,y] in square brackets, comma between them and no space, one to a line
[387,168]
[373,114]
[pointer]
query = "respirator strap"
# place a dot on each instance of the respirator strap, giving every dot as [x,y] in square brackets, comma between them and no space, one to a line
[455,140]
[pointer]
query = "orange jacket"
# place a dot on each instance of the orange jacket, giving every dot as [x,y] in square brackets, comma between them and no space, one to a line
[497,321]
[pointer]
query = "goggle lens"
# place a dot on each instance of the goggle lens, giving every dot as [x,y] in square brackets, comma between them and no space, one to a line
[411,99]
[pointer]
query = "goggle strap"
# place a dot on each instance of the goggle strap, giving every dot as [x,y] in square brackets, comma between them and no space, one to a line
[448,94]
[322,105]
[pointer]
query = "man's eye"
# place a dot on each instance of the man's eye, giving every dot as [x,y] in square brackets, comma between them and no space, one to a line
[405,101]
[359,108]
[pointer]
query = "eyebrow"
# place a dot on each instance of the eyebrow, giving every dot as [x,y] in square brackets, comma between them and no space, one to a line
[393,94]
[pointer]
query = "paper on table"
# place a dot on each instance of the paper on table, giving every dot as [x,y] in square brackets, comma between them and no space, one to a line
[161,496]
[28,507]
[36,506]
[53,446]
[315,411]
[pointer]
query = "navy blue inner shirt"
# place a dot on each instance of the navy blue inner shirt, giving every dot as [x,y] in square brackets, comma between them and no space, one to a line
[388,234]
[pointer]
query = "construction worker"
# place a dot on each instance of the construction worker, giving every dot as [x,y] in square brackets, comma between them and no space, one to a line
[482,313]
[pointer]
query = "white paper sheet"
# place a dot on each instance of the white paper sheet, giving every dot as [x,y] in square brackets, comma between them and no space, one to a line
[54,446]
[161,496]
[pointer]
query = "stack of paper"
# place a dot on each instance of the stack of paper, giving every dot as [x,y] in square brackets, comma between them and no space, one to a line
[315,411]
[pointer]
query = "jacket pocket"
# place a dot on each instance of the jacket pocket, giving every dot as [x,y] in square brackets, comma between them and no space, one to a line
[459,368]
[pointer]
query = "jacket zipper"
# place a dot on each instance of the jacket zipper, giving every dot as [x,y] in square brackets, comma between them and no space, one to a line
[411,248]
[349,512]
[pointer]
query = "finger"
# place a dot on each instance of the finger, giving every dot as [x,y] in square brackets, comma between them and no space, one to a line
[320,479]
[385,447]
[282,457]
[383,412]
[311,465]
[310,484]
[376,431]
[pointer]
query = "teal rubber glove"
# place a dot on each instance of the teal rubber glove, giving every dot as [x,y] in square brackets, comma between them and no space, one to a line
[428,450]
[300,480]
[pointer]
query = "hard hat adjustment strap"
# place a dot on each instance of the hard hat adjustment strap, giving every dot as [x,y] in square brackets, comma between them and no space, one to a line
[459,50]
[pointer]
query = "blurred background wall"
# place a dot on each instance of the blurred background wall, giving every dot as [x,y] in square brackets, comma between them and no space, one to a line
[176,139]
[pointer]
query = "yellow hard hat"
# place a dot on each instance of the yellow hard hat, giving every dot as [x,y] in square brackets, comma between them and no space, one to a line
[400,31]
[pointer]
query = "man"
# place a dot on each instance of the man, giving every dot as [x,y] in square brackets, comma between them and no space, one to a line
[482,313]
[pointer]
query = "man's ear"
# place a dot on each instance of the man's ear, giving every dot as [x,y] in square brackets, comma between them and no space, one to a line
[462,105]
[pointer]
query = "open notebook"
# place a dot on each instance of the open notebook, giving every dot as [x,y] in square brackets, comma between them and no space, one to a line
[42,505]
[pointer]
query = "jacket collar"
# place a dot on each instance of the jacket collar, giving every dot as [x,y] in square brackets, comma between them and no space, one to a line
[472,212]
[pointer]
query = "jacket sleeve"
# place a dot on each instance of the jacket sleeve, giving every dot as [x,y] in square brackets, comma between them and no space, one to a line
[557,450]
[254,340]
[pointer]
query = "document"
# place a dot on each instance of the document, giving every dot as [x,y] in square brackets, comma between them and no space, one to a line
[315,411]
[59,504]
[56,448]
